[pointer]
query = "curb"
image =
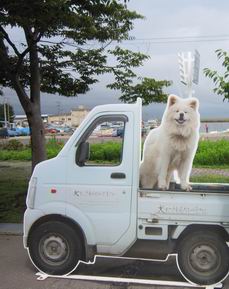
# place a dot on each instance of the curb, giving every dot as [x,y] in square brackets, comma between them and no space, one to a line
[11,229]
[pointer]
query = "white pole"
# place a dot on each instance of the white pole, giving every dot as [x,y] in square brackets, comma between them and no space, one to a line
[189,70]
[5,113]
[8,113]
[190,73]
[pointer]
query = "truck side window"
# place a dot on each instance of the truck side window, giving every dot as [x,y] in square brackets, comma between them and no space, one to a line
[105,139]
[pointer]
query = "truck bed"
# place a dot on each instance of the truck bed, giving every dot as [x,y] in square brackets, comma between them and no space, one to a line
[207,203]
[196,187]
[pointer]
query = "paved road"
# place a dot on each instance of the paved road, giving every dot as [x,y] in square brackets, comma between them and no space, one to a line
[26,139]
[17,272]
[208,171]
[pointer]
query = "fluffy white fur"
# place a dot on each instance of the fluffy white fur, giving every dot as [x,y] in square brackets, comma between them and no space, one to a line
[172,146]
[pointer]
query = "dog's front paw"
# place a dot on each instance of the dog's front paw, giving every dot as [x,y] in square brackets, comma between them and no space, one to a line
[186,187]
[162,186]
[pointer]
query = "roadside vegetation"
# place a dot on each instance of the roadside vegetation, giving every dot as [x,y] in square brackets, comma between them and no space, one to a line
[14,150]
[14,178]
[213,154]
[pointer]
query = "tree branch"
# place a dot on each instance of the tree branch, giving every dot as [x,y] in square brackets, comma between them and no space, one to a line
[4,58]
[21,58]
[23,97]
[6,36]
[106,45]
[27,50]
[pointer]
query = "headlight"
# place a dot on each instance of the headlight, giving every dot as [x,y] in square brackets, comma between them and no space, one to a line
[31,193]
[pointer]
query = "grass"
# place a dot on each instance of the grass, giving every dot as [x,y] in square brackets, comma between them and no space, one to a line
[217,167]
[14,178]
[108,152]
[210,154]
[12,150]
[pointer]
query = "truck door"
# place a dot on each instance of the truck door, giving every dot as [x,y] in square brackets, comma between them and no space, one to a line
[100,175]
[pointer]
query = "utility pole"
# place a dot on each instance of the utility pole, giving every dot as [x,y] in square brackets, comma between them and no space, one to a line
[5,113]
[8,112]
[189,65]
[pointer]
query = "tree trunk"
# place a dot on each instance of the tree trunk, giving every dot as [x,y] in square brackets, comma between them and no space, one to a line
[37,137]
[34,118]
[31,105]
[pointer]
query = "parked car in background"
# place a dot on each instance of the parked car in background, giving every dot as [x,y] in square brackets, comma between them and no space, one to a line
[68,129]
[3,132]
[18,131]
[120,131]
[51,130]
[23,131]
[12,132]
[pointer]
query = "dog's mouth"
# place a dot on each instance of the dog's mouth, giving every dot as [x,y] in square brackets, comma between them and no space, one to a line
[180,121]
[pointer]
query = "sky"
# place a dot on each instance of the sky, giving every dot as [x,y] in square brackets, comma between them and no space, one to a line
[169,27]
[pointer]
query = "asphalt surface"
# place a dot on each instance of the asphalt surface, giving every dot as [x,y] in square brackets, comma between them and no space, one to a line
[17,272]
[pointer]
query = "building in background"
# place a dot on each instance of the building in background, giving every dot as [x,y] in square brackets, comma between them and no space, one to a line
[72,119]
[22,121]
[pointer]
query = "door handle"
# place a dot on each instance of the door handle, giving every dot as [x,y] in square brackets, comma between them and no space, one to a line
[118,176]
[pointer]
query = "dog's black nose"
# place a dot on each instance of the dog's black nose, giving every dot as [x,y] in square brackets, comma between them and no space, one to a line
[181,115]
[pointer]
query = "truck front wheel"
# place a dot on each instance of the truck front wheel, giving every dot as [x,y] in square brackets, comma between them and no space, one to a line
[203,257]
[55,248]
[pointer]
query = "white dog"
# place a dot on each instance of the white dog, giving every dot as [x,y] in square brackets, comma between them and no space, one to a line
[172,146]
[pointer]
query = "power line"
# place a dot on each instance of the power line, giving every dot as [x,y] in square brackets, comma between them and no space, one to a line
[171,39]
[180,37]
[177,39]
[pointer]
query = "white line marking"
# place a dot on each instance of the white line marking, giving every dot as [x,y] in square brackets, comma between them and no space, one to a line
[42,276]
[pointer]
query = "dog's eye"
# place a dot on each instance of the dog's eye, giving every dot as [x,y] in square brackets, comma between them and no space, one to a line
[185,112]
[177,111]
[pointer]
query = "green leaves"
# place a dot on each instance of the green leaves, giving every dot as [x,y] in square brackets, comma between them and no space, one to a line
[131,86]
[128,58]
[69,73]
[149,89]
[71,39]
[221,81]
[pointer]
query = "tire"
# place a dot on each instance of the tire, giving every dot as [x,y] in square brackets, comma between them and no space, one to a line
[55,248]
[203,257]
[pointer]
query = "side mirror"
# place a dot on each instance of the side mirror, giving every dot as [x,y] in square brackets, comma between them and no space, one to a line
[82,153]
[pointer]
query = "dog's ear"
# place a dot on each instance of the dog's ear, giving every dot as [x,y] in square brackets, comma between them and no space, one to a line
[194,103]
[172,99]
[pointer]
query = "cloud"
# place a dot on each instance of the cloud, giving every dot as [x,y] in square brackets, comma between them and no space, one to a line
[164,18]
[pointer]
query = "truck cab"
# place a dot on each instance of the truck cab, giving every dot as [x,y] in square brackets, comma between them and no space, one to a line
[78,207]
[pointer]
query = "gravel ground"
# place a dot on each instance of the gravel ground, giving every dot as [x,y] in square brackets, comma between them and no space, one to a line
[207,171]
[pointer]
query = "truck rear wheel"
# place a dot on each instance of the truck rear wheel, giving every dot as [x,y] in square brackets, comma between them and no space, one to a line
[55,248]
[203,257]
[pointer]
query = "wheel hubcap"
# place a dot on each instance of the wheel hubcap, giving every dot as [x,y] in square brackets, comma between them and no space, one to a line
[53,249]
[204,258]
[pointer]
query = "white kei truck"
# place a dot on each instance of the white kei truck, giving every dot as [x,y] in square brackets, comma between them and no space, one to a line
[77,208]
